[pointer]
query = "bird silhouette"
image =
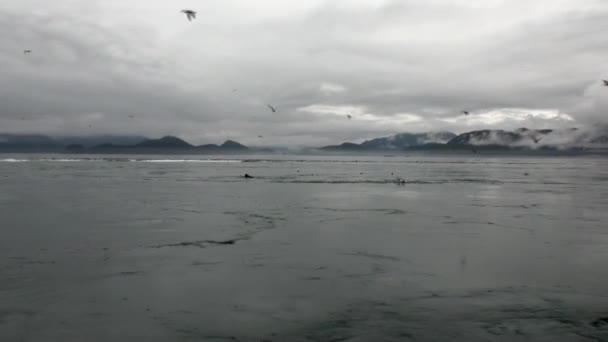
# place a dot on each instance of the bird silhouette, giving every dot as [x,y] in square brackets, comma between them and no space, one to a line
[465,112]
[272,108]
[349,116]
[605,83]
[190,14]
[536,140]
[25,52]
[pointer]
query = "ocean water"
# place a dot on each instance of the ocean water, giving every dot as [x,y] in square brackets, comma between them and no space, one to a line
[164,248]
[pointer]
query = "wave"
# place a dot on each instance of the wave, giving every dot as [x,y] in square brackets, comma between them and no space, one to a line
[388,181]
[72,160]
[185,160]
[12,160]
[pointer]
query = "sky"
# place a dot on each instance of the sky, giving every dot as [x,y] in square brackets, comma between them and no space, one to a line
[393,65]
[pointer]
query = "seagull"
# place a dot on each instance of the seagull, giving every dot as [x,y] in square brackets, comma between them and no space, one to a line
[465,112]
[25,52]
[349,116]
[271,108]
[190,14]
[536,140]
[605,83]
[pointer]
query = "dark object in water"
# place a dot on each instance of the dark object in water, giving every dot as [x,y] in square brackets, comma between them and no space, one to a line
[248,176]
[201,243]
[600,322]
[400,181]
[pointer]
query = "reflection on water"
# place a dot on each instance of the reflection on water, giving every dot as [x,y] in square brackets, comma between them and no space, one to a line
[312,249]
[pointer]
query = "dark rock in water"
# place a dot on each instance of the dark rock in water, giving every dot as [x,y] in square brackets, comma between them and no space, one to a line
[601,322]
[200,243]
[248,176]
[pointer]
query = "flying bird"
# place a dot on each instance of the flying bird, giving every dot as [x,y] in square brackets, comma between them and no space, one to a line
[536,140]
[465,112]
[25,52]
[190,14]
[349,116]
[260,136]
[131,116]
[271,108]
[605,83]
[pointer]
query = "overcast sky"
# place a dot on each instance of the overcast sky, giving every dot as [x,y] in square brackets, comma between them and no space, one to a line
[394,65]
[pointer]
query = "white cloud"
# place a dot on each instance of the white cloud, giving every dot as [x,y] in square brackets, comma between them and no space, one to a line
[331,88]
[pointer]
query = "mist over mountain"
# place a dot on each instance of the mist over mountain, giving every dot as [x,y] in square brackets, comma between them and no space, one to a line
[595,137]
[404,140]
[522,138]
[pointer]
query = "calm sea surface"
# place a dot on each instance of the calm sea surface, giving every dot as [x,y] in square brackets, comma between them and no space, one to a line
[157,248]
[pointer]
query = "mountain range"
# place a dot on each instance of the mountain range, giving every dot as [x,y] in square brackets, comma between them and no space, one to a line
[112,144]
[521,139]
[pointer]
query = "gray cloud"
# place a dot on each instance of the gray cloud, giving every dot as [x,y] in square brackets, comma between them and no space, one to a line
[396,66]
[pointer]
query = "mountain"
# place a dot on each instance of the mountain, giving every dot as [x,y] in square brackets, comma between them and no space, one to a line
[396,142]
[28,141]
[404,140]
[95,140]
[522,139]
[166,142]
[43,143]
[170,144]
[344,147]
[488,137]
[535,139]
[233,145]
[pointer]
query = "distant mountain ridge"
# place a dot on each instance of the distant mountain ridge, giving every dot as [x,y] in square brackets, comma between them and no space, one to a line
[520,139]
[112,144]
[572,139]
[404,140]
[172,144]
[43,142]
[396,142]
